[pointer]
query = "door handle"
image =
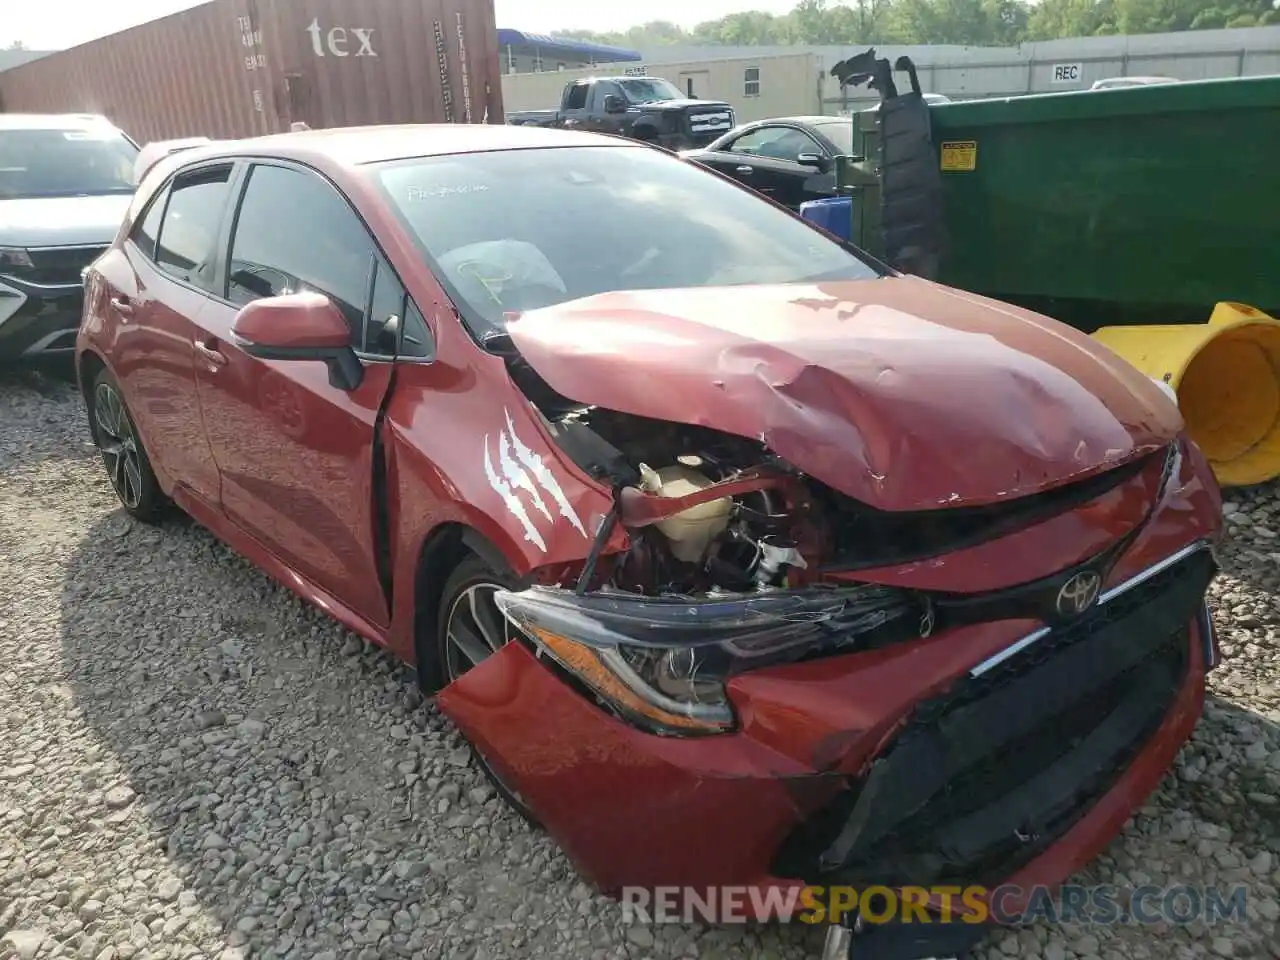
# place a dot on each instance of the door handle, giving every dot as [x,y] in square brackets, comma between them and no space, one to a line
[745,170]
[122,306]
[210,352]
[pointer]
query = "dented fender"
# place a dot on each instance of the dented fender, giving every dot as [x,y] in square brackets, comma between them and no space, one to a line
[601,787]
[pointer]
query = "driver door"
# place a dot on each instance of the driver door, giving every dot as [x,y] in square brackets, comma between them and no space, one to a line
[597,119]
[295,453]
[767,160]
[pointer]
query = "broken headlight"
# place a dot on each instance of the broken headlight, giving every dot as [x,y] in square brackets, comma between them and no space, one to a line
[663,662]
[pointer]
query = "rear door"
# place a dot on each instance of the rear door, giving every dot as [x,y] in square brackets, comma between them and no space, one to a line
[159,284]
[573,107]
[295,454]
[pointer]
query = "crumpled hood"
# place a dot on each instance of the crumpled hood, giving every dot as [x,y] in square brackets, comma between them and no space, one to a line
[62,221]
[903,394]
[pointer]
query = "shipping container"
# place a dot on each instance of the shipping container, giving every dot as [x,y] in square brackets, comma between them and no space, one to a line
[240,68]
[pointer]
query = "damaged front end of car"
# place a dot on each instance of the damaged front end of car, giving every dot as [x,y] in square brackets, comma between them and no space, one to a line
[774,681]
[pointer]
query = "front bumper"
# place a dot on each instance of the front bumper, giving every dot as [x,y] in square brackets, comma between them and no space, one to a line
[759,807]
[38,319]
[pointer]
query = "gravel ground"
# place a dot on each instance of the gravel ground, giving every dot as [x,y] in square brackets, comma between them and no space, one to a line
[195,764]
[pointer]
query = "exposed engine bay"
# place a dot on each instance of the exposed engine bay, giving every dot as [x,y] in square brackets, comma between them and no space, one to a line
[709,513]
[735,560]
[716,537]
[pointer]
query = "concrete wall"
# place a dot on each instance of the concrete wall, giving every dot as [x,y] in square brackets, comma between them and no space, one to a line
[963,72]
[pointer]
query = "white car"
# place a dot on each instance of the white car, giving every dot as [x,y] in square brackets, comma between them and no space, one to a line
[1113,83]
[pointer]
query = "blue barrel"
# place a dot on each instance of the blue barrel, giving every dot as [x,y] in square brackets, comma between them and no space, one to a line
[831,213]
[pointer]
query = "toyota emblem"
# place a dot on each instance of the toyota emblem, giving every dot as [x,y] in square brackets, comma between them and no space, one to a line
[1079,593]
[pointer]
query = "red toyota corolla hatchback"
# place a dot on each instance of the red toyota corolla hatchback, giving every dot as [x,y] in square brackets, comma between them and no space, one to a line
[738,557]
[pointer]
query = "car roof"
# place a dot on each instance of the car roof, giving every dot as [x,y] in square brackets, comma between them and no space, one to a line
[52,121]
[815,121]
[356,146]
[1131,81]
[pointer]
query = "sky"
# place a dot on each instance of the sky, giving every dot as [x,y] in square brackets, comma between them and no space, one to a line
[54,24]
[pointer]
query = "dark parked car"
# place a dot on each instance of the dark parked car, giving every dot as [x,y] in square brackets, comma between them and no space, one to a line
[642,108]
[738,557]
[65,184]
[788,159]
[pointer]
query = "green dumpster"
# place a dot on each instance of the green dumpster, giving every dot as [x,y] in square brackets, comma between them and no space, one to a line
[1145,204]
[1145,216]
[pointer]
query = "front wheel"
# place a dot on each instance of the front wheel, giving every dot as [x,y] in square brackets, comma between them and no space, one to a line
[472,629]
[128,467]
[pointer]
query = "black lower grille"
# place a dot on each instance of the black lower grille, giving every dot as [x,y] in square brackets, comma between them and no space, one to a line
[59,265]
[986,776]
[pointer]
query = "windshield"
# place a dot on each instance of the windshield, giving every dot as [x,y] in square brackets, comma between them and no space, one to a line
[65,162]
[840,133]
[650,91]
[521,229]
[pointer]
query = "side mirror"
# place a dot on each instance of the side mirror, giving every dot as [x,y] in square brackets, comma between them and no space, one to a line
[815,160]
[614,104]
[300,326]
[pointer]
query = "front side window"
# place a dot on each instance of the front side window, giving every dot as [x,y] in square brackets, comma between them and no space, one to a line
[395,326]
[189,230]
[520,229]
[839,132]
[775,143]
[88,161]
[295,233]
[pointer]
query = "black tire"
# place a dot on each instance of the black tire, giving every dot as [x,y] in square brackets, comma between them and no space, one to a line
[126,461]
[464,592]
[645,134]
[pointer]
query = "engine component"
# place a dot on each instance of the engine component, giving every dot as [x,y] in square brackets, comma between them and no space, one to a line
[773,559]
[691,531]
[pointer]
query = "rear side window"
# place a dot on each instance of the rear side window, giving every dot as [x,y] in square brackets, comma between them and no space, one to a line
[189,230]
[148,228]
[577,98]
[295,232]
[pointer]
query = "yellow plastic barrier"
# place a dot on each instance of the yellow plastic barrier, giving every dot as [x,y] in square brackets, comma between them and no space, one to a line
[1226,374]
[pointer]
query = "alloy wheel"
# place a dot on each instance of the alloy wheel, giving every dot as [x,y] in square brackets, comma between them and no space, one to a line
[118,444]
[475,630]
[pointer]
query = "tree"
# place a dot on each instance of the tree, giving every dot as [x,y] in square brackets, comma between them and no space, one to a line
[975,22]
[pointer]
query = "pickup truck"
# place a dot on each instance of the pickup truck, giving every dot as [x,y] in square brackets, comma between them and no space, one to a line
[641,108]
